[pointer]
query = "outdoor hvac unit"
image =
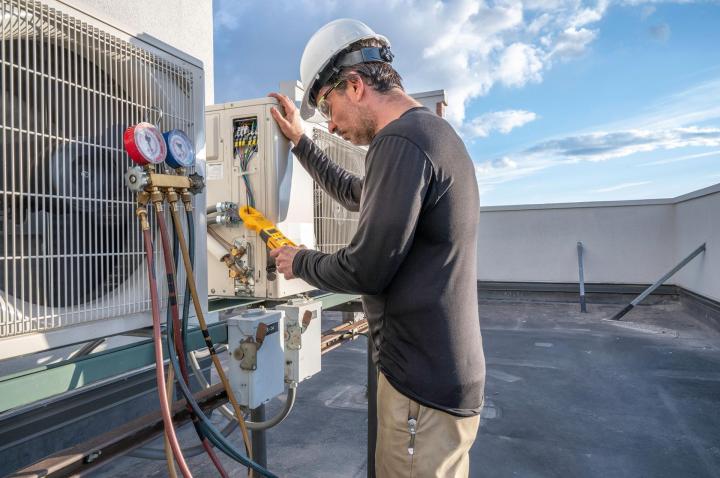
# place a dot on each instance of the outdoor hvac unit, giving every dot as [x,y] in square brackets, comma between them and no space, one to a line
[71,252]
[249,162]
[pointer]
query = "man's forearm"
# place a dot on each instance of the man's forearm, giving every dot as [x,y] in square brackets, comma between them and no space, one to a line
[343,186]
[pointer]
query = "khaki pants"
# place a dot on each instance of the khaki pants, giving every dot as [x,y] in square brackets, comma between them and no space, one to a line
[441,443]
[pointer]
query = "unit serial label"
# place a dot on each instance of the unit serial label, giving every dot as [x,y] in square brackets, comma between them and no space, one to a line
[272,328]
[214,172]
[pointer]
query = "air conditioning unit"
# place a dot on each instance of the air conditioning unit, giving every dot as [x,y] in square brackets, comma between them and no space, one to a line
[249,162]
[71,251]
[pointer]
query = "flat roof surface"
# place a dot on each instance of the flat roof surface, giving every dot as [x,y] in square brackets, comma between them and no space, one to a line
[567,394]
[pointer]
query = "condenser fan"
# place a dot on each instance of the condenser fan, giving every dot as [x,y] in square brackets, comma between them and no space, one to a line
[67,230]
[334,225]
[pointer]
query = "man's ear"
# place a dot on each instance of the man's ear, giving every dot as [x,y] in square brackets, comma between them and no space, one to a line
[357,89]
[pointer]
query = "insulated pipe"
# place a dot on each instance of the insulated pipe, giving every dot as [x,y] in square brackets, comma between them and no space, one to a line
[215,248]
[159,363]
[219,238]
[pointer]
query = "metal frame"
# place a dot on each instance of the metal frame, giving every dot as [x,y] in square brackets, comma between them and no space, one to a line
[581,273]
[658,283]
[83,459]
[48,399]
[30,386]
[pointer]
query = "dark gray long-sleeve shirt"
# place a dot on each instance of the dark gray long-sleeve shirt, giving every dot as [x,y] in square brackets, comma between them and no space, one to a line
[413,257]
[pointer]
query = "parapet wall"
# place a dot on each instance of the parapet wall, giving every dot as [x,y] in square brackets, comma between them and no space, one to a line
[625,242]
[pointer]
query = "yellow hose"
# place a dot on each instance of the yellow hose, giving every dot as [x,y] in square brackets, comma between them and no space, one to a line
[203,327]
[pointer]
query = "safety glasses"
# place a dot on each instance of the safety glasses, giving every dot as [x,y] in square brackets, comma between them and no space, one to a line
[323,106]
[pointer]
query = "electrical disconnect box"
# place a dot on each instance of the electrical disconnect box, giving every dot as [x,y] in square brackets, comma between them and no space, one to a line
[302,339]
[249,163]
[257,358]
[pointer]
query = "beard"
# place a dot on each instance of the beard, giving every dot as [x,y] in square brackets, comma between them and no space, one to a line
[363,129]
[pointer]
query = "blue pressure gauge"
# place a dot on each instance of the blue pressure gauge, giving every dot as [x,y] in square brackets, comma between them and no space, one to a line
[180,151]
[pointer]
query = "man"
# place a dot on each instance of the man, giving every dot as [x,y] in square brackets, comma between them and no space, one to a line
[413,257]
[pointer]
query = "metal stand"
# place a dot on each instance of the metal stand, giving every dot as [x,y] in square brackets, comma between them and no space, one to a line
[657,284]
[583,306]
[259,440]
[372,408]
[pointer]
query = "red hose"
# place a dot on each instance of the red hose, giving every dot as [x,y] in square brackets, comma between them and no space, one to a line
[159,362]
[177,328]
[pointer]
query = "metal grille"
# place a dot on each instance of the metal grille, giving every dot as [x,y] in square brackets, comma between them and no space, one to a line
[71,251]
[335,225]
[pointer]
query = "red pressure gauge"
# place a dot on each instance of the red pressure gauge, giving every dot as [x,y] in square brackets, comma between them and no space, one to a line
[145,144]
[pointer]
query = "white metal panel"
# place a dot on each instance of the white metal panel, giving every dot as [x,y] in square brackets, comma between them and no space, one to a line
[281,188]
[284,192]
[255,386]
[302,343]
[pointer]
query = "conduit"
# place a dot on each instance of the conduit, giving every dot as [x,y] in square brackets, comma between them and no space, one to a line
[228,413]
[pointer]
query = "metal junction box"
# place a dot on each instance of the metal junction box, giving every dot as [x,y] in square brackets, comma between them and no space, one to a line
[250,163]
[302,339]
[257,360]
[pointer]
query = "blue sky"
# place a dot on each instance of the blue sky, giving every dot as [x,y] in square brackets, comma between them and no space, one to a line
[558,101]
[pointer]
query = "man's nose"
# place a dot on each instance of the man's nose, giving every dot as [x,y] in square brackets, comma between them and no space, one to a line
[332,127]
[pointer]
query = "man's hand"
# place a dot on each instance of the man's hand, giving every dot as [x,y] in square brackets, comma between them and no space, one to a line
[290,124]
[284,257]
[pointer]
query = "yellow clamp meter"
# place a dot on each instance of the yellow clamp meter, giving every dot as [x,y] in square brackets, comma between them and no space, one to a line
[269,233]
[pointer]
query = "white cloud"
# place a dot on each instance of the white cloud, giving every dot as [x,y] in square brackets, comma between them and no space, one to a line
[591,147]
[685,157]
[647,11]
[502,170]
[463,46]
[602,146]
[502,121]
[519,63]
[618,187]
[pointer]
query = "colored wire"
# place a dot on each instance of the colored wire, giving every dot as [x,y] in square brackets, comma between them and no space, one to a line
[245,145]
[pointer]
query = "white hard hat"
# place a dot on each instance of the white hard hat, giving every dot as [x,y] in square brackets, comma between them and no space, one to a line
[322,48]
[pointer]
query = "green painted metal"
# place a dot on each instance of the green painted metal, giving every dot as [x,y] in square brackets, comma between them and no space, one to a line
[328,300]
[40,383]
[216,305]
[333,300]
[28,386]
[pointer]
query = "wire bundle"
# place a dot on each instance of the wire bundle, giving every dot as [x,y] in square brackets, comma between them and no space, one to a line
[244,147]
